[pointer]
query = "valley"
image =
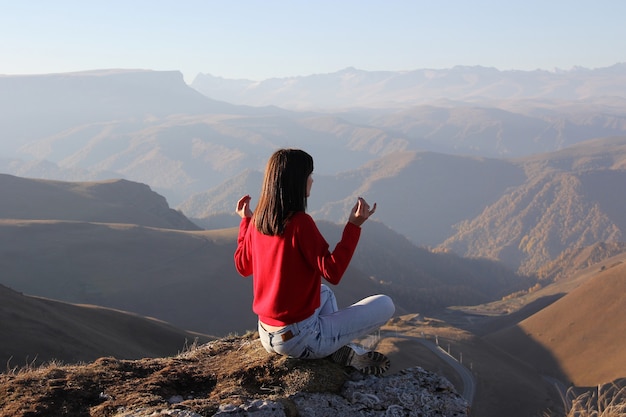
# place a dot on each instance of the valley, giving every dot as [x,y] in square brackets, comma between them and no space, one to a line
[119,246]
[522,347]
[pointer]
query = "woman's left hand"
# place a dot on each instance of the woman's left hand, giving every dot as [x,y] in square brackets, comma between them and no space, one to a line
[243,207]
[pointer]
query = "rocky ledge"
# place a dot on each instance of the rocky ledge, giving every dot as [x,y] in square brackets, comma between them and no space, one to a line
[228,377]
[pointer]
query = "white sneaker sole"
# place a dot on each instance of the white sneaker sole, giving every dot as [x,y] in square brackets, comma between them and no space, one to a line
[367,362]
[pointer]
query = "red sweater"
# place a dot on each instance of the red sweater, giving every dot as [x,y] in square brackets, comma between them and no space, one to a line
[287,269]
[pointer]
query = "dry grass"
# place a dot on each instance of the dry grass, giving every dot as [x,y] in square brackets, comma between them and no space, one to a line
[608,400]
[229,370]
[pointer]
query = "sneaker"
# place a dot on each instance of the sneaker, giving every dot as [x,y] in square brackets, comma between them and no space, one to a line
[366,361]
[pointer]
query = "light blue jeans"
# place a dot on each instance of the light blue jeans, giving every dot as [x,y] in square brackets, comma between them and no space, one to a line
[328,328]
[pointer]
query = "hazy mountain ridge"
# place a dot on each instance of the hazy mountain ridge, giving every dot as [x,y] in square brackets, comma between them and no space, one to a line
[595,154]
[351,87]
[63,101]
[114,123]
[495,132]
[150,127]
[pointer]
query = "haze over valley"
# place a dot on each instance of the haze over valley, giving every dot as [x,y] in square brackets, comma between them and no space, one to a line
[500,226]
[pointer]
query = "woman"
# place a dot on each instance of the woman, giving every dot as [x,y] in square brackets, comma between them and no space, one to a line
[282,247]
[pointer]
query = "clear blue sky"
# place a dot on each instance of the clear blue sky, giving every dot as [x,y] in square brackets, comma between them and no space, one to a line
[259,39]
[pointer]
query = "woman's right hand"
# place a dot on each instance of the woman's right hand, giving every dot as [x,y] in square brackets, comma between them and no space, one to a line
[243,207]
[361,212]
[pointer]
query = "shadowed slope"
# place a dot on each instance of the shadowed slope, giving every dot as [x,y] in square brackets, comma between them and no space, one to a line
[112,201]
[185,278]
[585,331]
[36,330]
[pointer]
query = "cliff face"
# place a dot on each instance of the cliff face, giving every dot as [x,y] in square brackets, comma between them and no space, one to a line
[227,377]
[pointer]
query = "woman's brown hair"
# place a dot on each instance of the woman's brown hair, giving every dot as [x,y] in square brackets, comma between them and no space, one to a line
[284,190]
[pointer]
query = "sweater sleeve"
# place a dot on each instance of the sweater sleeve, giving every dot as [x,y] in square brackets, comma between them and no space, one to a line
[331,265]
[243,255]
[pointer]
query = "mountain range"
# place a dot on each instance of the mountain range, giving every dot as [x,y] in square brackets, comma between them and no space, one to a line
[352,87]
[500,209]
[151,127]
[571,199]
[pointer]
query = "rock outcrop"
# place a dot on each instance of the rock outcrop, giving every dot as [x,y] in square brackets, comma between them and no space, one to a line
[228,377]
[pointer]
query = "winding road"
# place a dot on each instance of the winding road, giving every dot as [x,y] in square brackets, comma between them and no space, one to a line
[467,378]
